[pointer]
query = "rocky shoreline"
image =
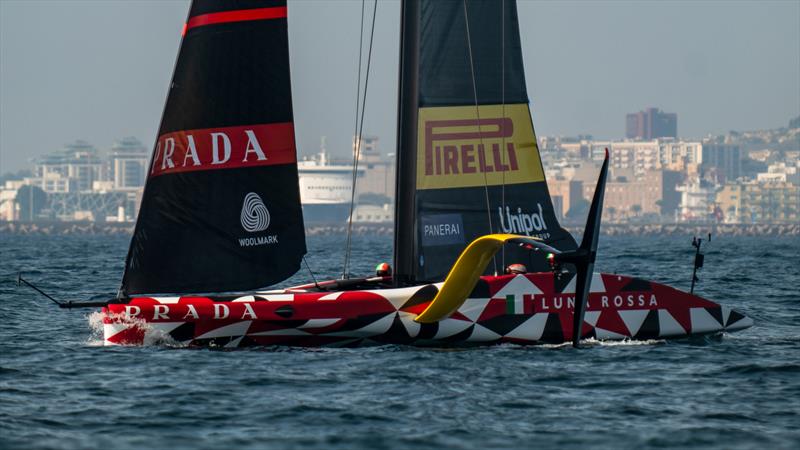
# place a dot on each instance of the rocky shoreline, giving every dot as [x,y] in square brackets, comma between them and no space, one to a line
[610,229]
[689,229]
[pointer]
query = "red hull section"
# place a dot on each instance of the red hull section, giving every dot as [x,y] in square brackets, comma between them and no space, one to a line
[524,309]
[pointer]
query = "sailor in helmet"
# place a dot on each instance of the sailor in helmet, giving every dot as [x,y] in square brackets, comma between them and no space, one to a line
[516,269]
[383,270]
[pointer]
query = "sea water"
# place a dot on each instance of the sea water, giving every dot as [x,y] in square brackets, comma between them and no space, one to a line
[60,388]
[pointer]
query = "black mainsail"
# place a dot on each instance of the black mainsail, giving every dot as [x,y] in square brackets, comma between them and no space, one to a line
[221,207]
[468,161]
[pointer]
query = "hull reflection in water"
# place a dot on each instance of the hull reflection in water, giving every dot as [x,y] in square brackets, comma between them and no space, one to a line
[524,309]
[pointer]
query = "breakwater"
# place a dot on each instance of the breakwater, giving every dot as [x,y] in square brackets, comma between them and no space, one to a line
[609,229]
[687,229]
[66,228]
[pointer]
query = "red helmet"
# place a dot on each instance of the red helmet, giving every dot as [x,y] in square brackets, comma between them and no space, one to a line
[516,268]
[383,270]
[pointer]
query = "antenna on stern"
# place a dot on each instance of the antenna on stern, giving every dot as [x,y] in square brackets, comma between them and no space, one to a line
[699,259]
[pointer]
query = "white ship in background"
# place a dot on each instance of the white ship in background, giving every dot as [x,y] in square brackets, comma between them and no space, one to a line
[325,188]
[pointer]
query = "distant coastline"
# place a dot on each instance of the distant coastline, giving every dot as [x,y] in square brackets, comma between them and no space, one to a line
[610,229]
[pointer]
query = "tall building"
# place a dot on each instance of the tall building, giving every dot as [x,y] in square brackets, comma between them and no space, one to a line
[128,163]
[698,199]
[564,193]
[73,169]
[781,173]
[650,124]
[652,193]
[369,148]
[681,156]
[378,179]
[722,162]
[642,155]
[760,202]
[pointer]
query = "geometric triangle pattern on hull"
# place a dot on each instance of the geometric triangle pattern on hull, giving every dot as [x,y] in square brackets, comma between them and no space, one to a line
[523,309]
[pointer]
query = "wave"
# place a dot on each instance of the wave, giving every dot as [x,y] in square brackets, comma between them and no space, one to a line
[752,368]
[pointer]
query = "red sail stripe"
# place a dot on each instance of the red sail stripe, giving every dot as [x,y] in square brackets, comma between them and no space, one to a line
[224,148]
[277,12]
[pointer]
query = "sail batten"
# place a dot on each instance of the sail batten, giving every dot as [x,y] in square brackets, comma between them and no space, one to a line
[477,168]
[221,206]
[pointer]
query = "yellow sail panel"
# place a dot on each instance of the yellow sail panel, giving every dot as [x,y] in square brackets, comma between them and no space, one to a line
[465,146]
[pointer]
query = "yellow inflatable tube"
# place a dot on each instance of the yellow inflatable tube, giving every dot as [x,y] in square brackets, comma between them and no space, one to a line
[466,272]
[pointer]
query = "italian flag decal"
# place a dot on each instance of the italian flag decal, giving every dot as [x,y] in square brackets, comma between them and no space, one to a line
[515,304]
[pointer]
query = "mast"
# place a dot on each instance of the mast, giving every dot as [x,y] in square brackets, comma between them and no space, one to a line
[407,113]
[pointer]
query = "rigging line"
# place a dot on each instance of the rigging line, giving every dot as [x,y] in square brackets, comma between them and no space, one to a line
[316,285]
[503,149]
[360,131]
[355,133]
[480,131]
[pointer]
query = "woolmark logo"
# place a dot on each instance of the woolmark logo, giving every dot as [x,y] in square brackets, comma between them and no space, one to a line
[255,216]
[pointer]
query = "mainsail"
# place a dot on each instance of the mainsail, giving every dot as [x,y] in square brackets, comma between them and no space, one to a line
[468,161]
[221,207]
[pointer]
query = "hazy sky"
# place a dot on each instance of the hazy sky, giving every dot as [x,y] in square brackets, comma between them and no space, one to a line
[99,70]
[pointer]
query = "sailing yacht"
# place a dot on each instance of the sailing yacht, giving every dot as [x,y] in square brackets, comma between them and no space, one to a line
[221,221]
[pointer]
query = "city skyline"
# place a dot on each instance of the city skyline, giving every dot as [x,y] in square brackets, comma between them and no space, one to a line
[702,61]
[746,178]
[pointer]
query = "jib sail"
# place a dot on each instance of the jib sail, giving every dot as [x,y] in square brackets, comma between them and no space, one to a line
[468,161]
[221,207]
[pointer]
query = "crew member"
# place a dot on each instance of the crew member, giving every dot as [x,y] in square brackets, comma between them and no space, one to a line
[383,270]
[516,269]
